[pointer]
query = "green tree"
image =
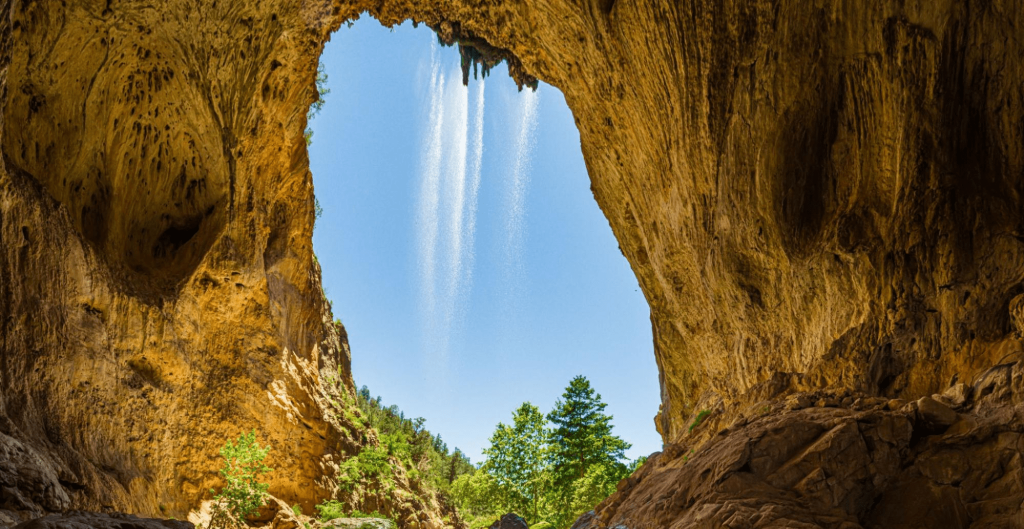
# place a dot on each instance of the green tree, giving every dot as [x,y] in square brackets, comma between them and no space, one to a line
[243,494]
[597,484]
[516,459]
[582,443]
[478,498]
[458,464]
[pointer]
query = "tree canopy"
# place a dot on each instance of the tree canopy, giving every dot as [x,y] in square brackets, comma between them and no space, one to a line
[549,469]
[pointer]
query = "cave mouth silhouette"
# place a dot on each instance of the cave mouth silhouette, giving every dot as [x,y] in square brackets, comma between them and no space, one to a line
[556,176]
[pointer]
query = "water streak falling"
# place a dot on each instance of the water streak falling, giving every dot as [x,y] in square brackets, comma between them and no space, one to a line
[428,218]
[447,206]
[515,207]
[456,148]
[475,169]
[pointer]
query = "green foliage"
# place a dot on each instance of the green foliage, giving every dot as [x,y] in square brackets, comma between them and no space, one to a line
[370,464]
[479,498]
[581,439]
[401,441]
[516,460]
[243,494]
[330,510]
[424,456]
[318,105]
[635,464]
[549,469]
[297,509]
[597,484]
[548,475]
[374,514]
[700,419]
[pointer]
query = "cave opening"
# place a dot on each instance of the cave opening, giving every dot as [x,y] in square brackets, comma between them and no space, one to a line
[462,247]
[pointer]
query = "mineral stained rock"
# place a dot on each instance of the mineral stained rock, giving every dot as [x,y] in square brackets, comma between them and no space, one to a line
[815,197]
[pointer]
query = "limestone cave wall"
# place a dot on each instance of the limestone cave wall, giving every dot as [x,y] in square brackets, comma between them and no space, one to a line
[813,195]
[158,292]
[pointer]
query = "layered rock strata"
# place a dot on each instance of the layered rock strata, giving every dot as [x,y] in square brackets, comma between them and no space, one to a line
[954,460]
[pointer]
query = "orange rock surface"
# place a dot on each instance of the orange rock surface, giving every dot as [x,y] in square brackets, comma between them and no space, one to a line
[814,196]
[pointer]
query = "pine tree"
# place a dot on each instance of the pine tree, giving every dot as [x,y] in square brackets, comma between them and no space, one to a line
[581,442]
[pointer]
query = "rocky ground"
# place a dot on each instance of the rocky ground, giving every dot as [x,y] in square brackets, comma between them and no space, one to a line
[842,460]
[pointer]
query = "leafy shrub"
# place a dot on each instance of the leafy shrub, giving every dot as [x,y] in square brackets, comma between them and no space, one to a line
[370,463]
[330,510]
[478,497]
[597,484]
[243,494]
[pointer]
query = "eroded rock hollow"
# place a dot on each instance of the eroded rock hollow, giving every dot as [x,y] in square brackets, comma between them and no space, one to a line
[817,197]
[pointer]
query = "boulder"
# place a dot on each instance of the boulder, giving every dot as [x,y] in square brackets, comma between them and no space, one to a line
[935,414]
[510,521]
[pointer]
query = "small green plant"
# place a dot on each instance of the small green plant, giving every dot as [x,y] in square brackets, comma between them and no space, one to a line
[297,510]
[318,105]
[243,494]
[372,462]
[700,419]
[330,509]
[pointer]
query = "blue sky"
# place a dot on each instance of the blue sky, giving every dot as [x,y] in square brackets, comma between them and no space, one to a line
[468,259]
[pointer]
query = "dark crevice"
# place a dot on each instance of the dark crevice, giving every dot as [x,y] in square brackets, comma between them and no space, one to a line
[176,236]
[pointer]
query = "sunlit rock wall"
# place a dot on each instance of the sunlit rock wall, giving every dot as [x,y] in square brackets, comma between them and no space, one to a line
[812,194]
[158,293]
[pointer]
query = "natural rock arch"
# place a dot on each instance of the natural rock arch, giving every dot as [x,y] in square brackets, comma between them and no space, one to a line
[820,196]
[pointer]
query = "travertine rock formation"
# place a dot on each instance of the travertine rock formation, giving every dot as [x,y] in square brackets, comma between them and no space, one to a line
[158,291]
[813,195]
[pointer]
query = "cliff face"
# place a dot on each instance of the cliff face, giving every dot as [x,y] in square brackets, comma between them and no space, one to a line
[158,293]
[813,195]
